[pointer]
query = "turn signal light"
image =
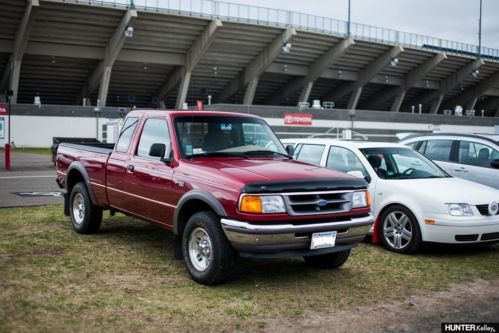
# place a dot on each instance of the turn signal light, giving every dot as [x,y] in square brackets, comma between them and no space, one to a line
[251,204]
[429,221]
[368,198]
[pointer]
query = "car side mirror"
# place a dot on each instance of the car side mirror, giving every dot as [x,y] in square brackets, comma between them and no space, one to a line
[290,149]
[359,174]
[495,164]
[159,150]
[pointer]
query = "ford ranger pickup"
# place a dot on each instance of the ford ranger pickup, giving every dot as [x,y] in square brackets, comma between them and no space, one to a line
[223,184]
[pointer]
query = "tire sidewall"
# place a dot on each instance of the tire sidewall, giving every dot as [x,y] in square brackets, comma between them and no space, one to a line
[81,189]
[415,241]
[209,223]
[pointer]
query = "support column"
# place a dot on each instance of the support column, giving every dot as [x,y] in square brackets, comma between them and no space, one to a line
[354,99]
[250,91]
[397,102]
[104,86]
[435,106]
[183,90]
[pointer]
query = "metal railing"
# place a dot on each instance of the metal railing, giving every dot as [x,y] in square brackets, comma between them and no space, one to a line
[284,18]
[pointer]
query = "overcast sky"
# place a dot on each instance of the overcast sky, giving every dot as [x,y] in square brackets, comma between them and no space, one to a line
[448,19]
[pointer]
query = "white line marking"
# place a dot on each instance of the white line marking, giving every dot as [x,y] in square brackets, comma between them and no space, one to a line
[21,177]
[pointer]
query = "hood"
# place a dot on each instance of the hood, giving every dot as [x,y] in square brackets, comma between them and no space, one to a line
[448,190]
[275,174]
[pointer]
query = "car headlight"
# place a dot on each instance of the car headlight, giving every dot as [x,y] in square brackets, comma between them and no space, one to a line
[266,204]
[361,199]
[459,209]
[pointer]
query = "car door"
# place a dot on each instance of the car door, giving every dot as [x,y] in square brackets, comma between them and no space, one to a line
[474,163]
[439,150]
[116,165]
[151,193]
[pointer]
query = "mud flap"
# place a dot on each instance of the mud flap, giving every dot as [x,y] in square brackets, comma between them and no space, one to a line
[177,248]
[66,204]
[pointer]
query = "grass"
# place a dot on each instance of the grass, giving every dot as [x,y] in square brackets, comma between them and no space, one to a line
[125,279]
[39,151]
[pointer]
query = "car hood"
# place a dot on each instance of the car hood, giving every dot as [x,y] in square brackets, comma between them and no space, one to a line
[447,190]
[272,174]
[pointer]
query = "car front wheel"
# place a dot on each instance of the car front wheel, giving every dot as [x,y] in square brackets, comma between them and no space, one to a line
[208,255]
[399,230]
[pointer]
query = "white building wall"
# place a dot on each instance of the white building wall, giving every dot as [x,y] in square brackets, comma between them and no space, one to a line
[36,131]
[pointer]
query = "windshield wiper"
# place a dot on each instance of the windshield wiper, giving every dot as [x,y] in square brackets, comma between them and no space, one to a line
[211,154]
[264,153]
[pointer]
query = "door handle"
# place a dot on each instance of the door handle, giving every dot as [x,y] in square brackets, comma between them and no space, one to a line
[130,167]
[461,170]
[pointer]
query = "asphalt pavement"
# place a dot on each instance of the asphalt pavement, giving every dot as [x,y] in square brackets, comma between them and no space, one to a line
[30,182]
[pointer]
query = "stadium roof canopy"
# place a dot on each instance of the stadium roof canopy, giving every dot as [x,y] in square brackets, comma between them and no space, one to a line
[166,52]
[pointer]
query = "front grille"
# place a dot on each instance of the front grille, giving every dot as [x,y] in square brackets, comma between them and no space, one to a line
[490,236]
[466,238]
[318,202]
[483,209]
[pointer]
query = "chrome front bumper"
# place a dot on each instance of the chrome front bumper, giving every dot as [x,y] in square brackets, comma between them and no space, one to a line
[271,238]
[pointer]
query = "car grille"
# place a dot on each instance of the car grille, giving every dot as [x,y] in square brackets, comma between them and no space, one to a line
[483,209]
[490,236]
[467,238]
[308,203]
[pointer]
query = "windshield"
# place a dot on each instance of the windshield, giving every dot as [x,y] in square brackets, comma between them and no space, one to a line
[226,136]
[401,163]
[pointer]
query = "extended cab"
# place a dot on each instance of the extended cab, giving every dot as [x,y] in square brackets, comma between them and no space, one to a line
[223,184]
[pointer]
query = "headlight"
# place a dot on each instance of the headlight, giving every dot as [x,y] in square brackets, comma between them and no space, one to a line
[266,204]
[459,209]
[361,199]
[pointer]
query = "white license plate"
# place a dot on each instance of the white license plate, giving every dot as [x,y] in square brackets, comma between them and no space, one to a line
[321,240]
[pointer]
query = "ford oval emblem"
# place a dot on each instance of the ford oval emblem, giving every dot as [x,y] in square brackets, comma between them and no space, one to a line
[321,203]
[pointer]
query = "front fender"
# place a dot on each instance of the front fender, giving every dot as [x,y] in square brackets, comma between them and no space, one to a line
[205,197]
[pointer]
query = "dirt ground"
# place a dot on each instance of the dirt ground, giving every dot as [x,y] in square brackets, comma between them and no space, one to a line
[476,301]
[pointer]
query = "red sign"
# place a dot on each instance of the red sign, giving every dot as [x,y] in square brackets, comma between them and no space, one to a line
[304,119]
[199,104]
[3,109]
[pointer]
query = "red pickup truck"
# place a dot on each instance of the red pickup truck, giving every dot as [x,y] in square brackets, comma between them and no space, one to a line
[223,183]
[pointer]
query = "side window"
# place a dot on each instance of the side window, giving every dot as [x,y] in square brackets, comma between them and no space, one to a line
[422,148]
[438,150]
[344,160]
[476,154]
[126,134]
[413,144]
[310,153]
[155,131]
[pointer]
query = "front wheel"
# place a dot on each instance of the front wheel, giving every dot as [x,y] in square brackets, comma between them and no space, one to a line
[208,255]
[329,260]
[399,230]
[85,216]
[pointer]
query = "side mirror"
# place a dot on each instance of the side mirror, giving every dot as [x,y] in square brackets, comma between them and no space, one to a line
[359,174]
[495,164]
[157,150]
[290,149]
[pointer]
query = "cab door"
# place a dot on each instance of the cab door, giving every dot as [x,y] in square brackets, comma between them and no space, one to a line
[474,163]
[151,190]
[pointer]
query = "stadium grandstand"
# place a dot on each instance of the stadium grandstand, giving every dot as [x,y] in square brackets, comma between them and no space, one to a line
[164,53]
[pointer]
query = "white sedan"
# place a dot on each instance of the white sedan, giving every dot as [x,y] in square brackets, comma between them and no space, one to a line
[413,200]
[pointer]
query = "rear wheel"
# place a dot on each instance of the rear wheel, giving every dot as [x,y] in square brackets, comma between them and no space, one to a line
[328,261]
[208,255]
[399,230]
[85,216]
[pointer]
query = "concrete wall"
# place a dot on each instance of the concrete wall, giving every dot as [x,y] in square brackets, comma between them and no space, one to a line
[34,127]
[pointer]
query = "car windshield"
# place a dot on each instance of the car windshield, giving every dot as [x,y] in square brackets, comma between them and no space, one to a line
[401,163]
[226,136]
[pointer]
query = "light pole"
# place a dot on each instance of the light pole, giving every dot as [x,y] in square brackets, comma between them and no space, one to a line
[480,32]
[349,18]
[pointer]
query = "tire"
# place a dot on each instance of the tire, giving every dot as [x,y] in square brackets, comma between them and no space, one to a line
[207,254]
[328,261]
[85,216]
[399,230]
